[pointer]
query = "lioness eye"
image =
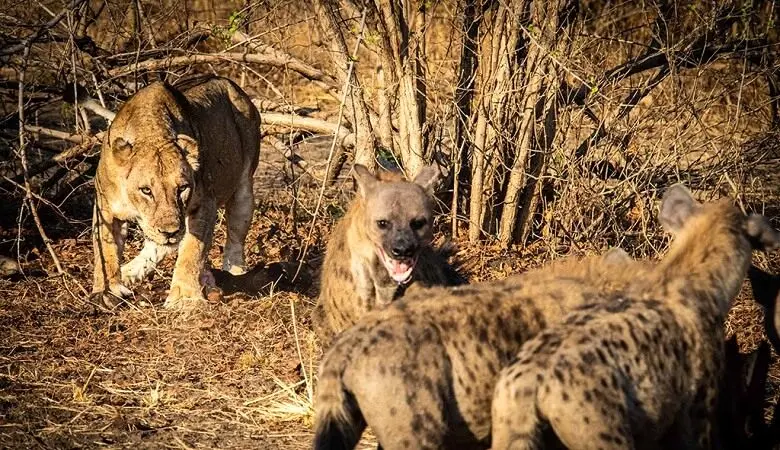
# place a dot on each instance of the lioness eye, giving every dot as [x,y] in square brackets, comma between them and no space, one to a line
[416,224]
[382,224]
[183,188]
[146,191]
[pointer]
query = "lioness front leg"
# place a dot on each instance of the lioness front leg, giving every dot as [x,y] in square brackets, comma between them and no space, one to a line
[186,292]
[239,217]
[108,237]
[145,262]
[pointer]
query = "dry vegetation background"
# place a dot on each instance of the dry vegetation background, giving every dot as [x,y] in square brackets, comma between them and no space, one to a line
[559,124]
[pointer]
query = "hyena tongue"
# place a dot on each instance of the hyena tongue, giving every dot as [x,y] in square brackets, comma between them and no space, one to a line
[400,267]
[402,271]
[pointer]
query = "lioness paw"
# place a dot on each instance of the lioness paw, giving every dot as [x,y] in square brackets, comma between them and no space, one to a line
[184,299]
[136,270]
[113,296]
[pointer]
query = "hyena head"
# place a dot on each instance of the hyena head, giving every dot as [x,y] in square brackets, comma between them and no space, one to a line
[398,217]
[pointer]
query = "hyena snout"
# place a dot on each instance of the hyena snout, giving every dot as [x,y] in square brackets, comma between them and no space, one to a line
[404,247]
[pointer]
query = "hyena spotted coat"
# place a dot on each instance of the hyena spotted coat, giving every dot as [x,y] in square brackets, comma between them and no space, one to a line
[642,369]
[379,248]
[421,372]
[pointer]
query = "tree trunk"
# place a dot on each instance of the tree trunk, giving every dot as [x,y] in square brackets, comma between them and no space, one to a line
[464,95]
[402,53]
[495,68]
[541,78]
[355,105]
[384,94]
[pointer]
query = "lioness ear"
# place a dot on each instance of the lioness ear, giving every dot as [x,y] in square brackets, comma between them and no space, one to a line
[121,149]
[428,177]
[616,256]
[190,148]
[677,206]
[364,178]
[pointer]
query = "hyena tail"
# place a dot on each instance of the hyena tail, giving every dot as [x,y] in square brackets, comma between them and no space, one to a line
[339,422]
[517,424]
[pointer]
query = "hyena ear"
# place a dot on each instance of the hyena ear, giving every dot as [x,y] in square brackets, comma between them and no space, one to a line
[616,256]
[677,206]
[121,149]
[761,233]
[428,177]
[364,178]
[189,147]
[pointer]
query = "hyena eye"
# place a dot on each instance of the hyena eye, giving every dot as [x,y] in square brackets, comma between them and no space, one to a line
[416,224]
[382,224]
[146,191]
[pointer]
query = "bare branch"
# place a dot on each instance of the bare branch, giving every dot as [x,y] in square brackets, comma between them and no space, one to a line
[29,40]
[29,197]
[76,138]
[274,122]
[277,60]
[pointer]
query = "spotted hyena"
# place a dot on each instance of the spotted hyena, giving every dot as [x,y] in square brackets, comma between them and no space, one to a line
[641,369]
[421,372]
[380,247]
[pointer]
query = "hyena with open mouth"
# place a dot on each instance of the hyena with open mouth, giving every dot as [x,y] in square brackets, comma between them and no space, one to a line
[380,247]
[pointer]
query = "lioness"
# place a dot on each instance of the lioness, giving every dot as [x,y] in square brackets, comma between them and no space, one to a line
[168,160]
[379,248]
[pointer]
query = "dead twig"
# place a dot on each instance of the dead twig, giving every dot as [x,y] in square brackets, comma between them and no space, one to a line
[277,59]
[29,198]
[31,39]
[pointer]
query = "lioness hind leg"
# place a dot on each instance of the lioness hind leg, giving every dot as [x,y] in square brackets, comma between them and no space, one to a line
[145,262]
[239,217]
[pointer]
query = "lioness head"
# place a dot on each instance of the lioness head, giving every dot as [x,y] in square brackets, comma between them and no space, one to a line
[398,218]
[158,184]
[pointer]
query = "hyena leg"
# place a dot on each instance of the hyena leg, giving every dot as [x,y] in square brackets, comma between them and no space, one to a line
[239,216]
[415,417]
[599,422]
[145,262]
[703,415]
[186,290]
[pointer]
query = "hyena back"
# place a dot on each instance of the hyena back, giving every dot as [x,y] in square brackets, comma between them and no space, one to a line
[641,369]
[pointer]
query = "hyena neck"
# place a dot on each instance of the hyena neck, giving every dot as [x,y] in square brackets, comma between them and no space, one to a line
[708,261]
